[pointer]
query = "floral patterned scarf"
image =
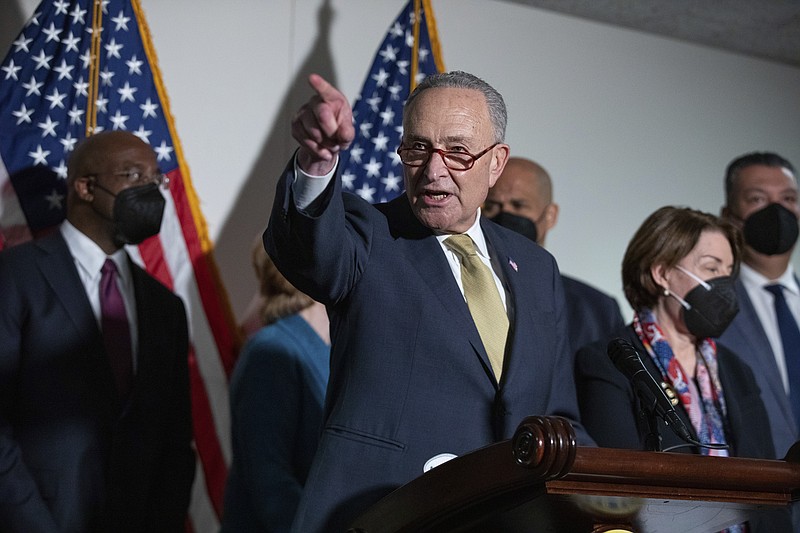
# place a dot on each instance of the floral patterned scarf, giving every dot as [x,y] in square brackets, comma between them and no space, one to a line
[703,400]
[706,406]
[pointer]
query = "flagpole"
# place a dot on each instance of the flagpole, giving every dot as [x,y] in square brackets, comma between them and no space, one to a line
[436,48]
[415,48]
[94,67]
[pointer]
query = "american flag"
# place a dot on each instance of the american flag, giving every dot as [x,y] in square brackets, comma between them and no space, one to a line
[58,85]
[408,54]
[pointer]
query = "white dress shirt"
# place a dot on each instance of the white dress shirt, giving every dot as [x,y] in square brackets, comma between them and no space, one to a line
[764,304]
[89,259]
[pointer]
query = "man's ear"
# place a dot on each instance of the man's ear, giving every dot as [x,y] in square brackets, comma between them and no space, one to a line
[550,216]
[498,163]
[546,221]
[84,188]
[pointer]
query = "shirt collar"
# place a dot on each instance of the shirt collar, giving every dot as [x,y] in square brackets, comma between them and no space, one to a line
[90,257]
[476,233]
[787,279]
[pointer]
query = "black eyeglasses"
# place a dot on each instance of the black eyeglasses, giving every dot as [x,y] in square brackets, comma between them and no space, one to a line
[418,157]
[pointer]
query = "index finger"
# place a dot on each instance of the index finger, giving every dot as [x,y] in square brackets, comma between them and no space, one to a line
[326,91]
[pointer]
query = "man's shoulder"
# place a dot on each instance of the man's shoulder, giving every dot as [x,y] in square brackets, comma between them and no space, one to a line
[746,321]
[147,282]
[578,287]
[513,242]
[400,219]
[22,256]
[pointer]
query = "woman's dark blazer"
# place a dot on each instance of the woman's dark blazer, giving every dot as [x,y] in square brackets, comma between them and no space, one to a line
[610,411]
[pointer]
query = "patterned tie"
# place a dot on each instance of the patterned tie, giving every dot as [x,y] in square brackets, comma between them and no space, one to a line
[483,300]
[790,339]
[116,330]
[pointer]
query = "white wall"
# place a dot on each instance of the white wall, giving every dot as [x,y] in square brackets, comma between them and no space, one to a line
[625,122]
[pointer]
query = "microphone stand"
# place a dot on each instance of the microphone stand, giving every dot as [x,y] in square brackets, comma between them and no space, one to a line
[652,440]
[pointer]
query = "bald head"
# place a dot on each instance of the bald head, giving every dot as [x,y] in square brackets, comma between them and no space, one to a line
[523,170]
[97,172]
[524,189]
[95,153]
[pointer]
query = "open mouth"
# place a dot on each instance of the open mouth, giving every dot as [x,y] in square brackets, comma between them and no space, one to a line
[437,196]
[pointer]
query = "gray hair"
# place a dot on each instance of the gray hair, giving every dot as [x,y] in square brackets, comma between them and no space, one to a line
[463,80]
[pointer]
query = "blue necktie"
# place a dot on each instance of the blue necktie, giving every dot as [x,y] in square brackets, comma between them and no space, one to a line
[790,339]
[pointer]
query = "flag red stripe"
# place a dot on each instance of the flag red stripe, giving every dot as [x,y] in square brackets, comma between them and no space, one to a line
[205,436]
[152,253]
[207,280]
[180,258]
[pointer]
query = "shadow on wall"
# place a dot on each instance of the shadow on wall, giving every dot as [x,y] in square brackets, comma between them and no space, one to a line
[250,212]
[11,22]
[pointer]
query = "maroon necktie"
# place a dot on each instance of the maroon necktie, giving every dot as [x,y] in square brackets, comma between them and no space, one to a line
[116,330]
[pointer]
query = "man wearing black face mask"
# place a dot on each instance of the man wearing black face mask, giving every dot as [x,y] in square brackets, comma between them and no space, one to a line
[522,200]
[762,198]
[95,424]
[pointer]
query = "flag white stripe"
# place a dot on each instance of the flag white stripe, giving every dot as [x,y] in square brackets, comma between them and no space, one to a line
[209,361]
[202,514]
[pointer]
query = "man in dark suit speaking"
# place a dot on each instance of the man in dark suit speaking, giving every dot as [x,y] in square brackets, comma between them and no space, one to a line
[522,200]
[447,329]
[95,425]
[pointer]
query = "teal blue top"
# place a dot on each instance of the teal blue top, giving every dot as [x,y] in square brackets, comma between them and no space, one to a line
[277,394]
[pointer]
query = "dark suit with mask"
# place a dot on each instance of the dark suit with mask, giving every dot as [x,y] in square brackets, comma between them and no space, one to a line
[74,456]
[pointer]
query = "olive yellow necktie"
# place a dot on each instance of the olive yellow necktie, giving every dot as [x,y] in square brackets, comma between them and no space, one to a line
[483,300]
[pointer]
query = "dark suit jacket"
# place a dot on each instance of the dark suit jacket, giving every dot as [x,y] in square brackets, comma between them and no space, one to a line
[73,456]
[610,411]
[592,314]
[746,337]
[410,378]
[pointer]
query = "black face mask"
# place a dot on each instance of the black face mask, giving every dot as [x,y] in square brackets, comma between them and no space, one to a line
[707,311]
[523,226]
[772,230]
[137,213]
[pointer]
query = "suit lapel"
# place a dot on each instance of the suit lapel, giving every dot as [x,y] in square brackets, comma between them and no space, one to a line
[433,267]
[58,268]
[143,298]
[758,345]
[758,348]
[498,248]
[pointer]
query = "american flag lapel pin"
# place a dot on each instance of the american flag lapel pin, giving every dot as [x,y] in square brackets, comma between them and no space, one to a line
[513,264]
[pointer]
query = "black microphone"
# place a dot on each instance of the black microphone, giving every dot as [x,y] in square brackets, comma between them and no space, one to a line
[627,360]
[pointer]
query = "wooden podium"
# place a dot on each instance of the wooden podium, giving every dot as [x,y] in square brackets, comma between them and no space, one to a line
[541,481]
